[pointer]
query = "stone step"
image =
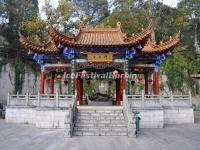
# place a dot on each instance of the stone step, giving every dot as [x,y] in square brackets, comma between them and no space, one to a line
[100,117]
[101,129]
[78,124]
[80,133]
[100,111]
[100,114]
[99,121]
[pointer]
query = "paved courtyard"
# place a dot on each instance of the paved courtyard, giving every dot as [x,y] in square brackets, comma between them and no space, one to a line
[173,137]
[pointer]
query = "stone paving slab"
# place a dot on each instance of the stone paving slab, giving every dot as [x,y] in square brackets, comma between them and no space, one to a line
[173,137]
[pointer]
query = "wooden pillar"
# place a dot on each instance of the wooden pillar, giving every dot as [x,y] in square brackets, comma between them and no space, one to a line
[146,89]
[42,79]
[52,84]
[123,86]
[156,80]
[81,91]
[79,88]
[118,91]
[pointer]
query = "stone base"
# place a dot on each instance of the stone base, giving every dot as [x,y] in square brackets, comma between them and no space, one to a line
[158,117]
[41,117]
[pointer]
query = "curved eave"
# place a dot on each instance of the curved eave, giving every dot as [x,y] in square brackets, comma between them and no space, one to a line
[58,37]
[141,37]
[161,48]
[35,48]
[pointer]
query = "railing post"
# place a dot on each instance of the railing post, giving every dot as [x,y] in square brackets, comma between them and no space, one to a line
[8,99]
[172,98]
[160,100]
[190,98]
[17,96]
[27,98]
[143,102]
[38,99]
[57,99]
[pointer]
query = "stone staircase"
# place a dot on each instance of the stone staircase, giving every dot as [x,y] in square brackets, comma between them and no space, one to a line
[100,121]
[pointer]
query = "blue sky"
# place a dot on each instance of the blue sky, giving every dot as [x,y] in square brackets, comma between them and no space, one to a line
[172,3]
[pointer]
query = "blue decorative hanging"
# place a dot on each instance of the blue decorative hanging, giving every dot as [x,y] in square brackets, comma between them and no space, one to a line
[168,53]
[39,58]
[61,46]
[138,46]
[69,53]
[162,58]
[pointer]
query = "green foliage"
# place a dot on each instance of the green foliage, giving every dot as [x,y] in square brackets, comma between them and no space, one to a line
[19,69]
[91,11]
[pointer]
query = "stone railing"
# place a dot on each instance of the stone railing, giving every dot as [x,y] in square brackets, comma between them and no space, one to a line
[128,117]
[70,120]
[41,100]
[152,101]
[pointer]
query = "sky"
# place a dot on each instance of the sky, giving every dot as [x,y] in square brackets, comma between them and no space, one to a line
[172,3]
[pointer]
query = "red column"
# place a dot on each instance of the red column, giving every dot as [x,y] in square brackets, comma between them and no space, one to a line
[123,86]
[42,79]
[78,89]
[156,82]
[81,91]
[146,89]
[118,91]
[52,85]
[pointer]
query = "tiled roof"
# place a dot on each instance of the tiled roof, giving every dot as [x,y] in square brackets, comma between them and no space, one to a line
[100,37]
[162,47]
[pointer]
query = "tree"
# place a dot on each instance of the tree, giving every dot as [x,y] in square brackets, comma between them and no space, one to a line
[91,11]
[14,12]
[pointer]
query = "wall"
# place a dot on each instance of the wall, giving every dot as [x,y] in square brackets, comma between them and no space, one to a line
[151,118]
[21,114]
[159,117]
[178,115]
[41,117]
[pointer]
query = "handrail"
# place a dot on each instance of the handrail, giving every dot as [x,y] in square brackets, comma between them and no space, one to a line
[160,100]
[40,100]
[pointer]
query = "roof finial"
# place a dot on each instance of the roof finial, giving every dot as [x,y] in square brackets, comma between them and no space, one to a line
[81,24]
[118,25]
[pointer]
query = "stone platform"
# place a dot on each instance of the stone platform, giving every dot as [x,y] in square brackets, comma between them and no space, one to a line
[172,137]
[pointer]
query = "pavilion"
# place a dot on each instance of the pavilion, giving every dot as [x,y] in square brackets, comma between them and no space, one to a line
[93,48]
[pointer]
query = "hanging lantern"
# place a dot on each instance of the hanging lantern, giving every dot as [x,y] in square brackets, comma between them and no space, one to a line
[59,77]
[47,80]
[140,78]
[66,82]
[115,73]
[150,81]
[132,82]
[88,82]
[83,74]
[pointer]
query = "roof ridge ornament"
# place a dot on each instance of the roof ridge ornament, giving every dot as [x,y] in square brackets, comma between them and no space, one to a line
[118,25]
[81,25]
